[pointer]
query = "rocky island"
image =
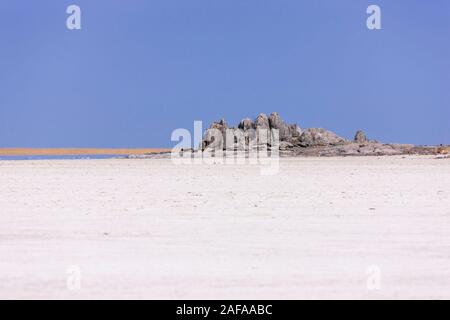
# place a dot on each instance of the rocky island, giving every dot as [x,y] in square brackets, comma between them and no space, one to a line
[292,140]
[295,141]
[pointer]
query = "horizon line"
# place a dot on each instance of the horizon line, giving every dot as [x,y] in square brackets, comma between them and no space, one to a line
[77,151]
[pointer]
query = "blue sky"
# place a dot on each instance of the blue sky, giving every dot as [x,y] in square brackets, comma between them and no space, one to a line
[139,69]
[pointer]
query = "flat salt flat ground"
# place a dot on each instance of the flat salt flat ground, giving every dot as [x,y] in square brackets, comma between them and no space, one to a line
[151,229]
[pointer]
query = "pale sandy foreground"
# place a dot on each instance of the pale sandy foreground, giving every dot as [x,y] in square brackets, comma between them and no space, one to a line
[320,228]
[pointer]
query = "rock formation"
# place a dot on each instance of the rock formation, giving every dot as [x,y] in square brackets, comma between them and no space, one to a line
[292,140]
[267,133]
[262,122]
[246,124]
[290,136]
[319,137]
[360,137]
[275,122]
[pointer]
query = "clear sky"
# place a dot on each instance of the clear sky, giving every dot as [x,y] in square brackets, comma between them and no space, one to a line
[139,69]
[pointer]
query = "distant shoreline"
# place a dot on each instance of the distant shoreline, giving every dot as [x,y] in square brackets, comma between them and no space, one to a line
[77,151]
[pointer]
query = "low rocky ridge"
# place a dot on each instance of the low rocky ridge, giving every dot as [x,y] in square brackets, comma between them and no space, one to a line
[295,141]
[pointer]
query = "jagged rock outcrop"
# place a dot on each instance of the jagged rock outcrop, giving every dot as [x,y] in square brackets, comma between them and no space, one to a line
[246,124]
[215,136]
[292,140]
[360,137]
[219,135]
[263,132]
[275,122]
[262,122]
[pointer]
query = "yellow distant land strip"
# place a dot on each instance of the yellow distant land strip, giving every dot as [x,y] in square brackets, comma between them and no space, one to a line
[74,151]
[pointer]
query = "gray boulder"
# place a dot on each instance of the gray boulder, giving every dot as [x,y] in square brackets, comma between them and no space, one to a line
[219,125]
[319,137]
[262,134]
[262,122]
[246,124]
[285,145]
[215,135]
[276,122]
